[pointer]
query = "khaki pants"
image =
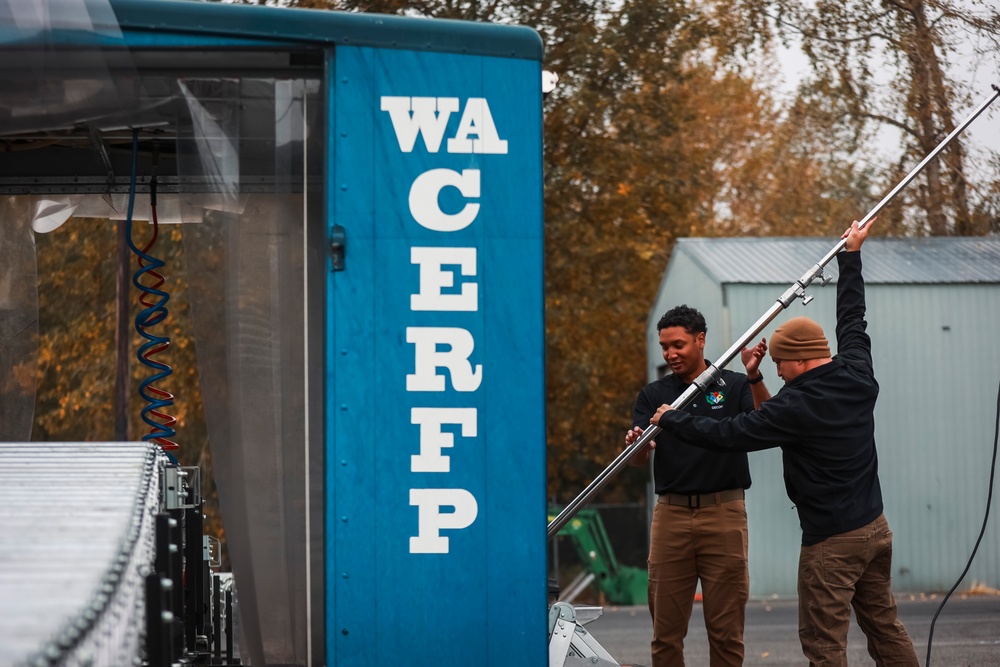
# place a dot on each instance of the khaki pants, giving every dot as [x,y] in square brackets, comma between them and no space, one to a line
[852,569]
[688,544]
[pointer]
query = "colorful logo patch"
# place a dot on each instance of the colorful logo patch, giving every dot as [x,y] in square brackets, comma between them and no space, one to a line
[715,398]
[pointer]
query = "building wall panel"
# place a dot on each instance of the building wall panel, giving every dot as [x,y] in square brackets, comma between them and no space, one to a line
[938,368]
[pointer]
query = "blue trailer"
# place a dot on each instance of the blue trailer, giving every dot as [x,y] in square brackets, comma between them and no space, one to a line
[361,201]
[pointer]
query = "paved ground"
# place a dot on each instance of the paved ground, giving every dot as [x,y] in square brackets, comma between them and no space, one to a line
[967,633]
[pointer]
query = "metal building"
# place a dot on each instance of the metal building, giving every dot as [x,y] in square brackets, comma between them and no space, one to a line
[933,314]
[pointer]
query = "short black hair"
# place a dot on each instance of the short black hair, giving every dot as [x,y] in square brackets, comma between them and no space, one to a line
[683,316]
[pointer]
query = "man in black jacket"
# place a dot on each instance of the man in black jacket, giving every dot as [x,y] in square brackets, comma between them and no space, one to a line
[823,420]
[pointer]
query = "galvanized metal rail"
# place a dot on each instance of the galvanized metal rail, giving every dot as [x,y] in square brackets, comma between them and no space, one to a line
[77,534]
[796,291]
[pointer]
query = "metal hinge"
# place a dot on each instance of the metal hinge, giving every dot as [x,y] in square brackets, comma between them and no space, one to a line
[181,487]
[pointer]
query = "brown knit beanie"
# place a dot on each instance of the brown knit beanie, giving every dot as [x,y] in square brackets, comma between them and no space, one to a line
[799,338]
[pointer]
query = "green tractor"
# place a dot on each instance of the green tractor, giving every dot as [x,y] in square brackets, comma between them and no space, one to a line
[620,584]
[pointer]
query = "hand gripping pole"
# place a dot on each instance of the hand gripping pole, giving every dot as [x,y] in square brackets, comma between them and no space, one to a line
[711,374]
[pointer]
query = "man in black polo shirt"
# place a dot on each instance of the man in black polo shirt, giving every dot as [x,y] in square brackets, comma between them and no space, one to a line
[699,529]
[823,420]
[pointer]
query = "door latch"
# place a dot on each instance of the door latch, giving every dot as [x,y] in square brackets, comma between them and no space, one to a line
[338,247]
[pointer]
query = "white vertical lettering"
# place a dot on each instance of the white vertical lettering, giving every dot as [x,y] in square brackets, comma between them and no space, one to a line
[427,359]
[431,520]
[424,193]
[429,117]
[432,279]
[433,439]
[443,354]
[477,120]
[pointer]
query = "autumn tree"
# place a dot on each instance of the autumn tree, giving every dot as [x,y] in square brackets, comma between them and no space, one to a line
[888,64]
[77,265]
[75,402]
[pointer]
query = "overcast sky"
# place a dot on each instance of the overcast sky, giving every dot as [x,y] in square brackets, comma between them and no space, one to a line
[983,134]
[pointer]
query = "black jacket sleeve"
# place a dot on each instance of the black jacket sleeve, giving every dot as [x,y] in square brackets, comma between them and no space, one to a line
[774,425]
[853,344]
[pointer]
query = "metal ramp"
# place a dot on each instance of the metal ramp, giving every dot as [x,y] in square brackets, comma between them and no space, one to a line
[76,534]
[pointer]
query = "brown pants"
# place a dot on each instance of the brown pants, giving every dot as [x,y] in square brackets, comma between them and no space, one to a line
[851,569]
[706,543]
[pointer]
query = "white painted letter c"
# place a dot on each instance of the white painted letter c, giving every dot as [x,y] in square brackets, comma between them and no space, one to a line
[426,189]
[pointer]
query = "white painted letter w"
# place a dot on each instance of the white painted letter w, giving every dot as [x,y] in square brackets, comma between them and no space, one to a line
[419,115]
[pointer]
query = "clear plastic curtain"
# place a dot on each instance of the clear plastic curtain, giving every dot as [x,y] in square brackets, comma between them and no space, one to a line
[245,266]
[63,63]
[66,65]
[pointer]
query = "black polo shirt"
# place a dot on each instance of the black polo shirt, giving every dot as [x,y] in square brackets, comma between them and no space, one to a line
[683,468]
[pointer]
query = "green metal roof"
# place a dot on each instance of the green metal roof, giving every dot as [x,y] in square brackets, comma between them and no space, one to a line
[308,26]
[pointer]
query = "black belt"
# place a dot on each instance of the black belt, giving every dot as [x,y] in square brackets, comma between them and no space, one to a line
[703,500]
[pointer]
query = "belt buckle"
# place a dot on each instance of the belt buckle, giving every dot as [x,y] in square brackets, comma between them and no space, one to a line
[694,502]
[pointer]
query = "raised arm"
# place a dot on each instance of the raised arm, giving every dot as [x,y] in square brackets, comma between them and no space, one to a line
[853,342]
[751,358]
